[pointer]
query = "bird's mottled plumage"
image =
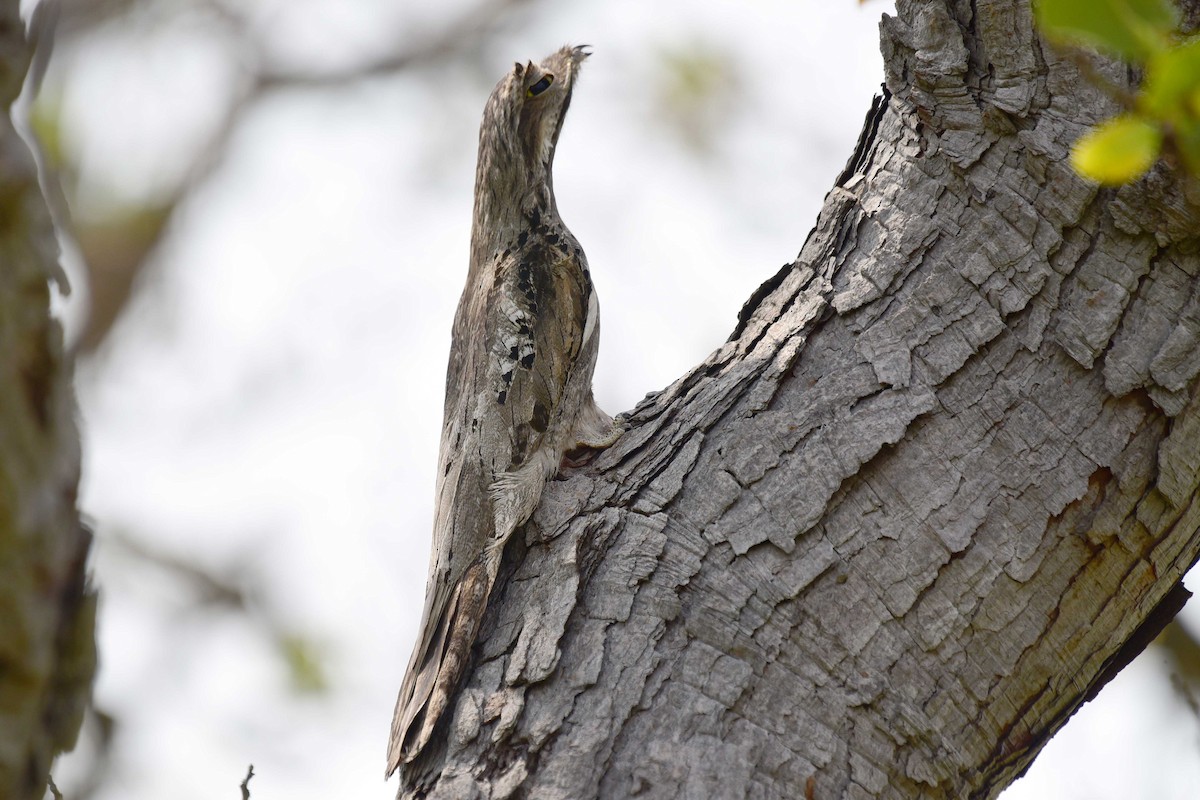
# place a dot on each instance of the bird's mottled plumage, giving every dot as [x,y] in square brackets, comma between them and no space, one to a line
[519,382]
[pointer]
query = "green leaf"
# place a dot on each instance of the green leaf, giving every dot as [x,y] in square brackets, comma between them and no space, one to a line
[304,664]
[1117,151]
[1133,29]
[1187,138]
[1172,77]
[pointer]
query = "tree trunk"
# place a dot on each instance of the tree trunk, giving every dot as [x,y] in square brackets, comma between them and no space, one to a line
[47,614]
[887,538]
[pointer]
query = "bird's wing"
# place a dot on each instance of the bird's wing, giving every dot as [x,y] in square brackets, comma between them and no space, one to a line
[517,335]
[460,485]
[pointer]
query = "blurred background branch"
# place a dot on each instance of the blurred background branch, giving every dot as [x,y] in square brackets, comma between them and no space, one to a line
[117,245]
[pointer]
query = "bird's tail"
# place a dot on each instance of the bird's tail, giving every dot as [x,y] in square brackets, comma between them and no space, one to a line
[437,667]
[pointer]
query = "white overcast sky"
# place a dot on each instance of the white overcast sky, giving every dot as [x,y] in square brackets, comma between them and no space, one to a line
[270,406]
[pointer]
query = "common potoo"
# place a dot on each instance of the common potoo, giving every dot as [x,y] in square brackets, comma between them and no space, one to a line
[519,382]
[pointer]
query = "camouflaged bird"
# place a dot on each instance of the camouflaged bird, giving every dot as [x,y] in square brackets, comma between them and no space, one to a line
[519,382]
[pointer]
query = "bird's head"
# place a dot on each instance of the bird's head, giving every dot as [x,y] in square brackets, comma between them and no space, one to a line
[521,123]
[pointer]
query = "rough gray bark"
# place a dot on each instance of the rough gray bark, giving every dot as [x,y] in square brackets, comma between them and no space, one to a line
[886,539]
[47,650]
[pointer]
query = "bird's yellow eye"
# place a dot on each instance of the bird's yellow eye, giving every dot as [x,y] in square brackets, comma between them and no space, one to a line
[541,85]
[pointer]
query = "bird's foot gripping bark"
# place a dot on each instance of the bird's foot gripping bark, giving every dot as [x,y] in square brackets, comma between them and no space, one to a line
[594,431]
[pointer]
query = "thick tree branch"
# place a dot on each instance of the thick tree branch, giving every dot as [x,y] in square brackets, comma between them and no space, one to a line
[47,649]
[889,536]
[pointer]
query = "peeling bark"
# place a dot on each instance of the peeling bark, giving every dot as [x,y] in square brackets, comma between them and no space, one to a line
[47,614]
[939,484]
